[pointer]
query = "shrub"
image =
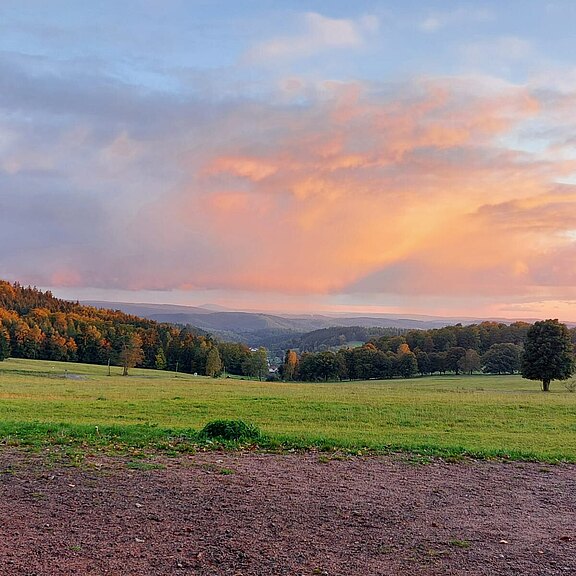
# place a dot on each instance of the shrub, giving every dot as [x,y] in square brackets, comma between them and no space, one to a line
[230,430]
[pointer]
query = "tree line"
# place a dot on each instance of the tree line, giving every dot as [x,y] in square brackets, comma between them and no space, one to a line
[34,324]
[488,347]
[339,336]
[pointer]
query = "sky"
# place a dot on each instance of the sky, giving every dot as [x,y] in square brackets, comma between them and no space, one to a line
[297,156]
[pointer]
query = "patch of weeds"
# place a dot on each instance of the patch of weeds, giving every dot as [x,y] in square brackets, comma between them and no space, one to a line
[144,466]
[230,430]
[38,495]
[226,471]
[71,457]
[339,457]
[326,458]
[454,458]
[75,548]
[459,543]
[10,441]
[544,470]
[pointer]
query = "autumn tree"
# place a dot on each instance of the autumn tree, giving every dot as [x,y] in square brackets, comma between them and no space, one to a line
[290,365]
[548,353]
[56,347]
[130,353]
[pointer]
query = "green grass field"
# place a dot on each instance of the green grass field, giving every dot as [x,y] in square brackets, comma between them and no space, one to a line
[479,415]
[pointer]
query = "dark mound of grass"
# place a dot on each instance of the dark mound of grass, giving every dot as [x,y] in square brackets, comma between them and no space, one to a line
[230,430]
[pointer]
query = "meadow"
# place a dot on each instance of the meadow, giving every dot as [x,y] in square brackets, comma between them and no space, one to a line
[50,402]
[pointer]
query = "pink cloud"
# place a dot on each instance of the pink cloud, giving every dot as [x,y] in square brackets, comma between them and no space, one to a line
[363,192]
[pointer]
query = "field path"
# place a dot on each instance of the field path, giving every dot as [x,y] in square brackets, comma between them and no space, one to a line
[253,515]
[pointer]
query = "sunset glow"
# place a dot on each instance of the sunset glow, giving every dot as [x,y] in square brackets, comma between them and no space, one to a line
[379,157]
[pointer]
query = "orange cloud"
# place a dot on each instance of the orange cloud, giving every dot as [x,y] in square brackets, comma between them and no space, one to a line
[356,185]
[412,190]
[245,167]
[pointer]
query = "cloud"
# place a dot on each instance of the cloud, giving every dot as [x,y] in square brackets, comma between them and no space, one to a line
[504,50]
[320,198]
[404,188]
[319,34]
[439,20]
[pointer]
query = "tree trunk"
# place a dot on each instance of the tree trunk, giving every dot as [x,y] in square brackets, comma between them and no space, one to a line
[545,385]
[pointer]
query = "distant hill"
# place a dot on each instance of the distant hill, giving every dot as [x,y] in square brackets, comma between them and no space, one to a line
[146,310]
[207,318]
[274,331]
[248,322]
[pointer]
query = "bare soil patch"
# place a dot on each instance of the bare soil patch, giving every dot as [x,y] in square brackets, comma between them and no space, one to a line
[252,514]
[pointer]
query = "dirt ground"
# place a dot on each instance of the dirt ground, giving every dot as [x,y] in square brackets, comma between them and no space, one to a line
[255,514]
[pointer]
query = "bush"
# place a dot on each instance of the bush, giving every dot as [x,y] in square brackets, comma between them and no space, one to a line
[234,430]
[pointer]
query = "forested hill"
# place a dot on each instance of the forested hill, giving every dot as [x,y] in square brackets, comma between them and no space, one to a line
[22,299]
[35,324]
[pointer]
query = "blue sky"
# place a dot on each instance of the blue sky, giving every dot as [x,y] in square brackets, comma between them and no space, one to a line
[301,156]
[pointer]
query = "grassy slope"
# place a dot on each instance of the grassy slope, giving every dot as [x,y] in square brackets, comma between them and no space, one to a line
[482,414]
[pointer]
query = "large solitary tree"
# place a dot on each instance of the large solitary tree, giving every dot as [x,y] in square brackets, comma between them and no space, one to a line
[548,353]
